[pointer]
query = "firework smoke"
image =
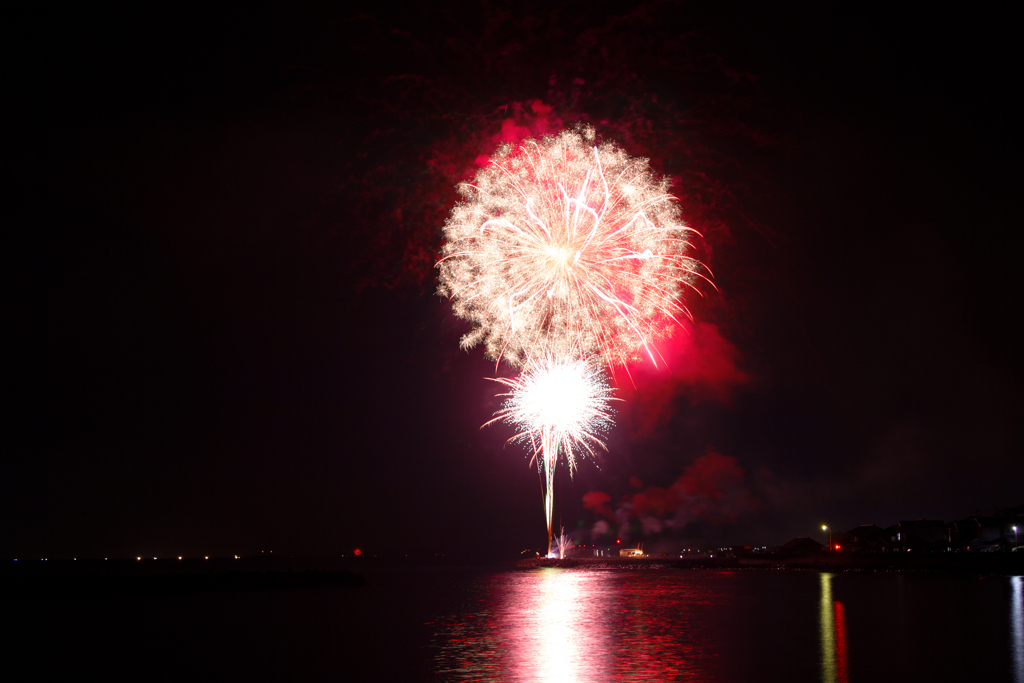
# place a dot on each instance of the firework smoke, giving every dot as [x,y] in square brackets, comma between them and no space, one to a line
[560,407]
[565,248]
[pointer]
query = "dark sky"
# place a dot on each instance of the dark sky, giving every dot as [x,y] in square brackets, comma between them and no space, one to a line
[223,223]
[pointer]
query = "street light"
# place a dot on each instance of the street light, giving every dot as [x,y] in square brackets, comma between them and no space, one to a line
[824,527]
[1014,537]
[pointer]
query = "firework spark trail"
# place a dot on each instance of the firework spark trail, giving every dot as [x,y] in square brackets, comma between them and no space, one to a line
[561,407]
[563,247]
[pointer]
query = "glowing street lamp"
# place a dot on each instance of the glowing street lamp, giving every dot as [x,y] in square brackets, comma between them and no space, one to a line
[1014,537]
[824,527]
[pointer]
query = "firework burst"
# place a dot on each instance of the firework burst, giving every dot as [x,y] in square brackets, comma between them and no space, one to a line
[563,247]
[561,407]
[565,544]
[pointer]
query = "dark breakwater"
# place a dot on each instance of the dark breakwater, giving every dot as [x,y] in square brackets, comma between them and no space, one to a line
[61,580]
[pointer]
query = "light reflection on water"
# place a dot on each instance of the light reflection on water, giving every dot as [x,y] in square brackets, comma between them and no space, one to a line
[1017,628]
[730,627]
[550,625]
[832,622]
[554,634]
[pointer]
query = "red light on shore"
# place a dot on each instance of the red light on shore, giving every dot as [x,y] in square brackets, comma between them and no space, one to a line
[837,546]
[358,552]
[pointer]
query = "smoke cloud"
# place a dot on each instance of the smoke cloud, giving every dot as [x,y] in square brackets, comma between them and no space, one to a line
[698,362]
[712,491]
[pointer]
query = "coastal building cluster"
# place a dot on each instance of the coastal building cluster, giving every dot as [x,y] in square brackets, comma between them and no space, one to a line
[998,532]
[1002,531]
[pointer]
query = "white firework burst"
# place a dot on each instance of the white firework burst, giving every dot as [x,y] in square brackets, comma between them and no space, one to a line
[561,407]
[563,247]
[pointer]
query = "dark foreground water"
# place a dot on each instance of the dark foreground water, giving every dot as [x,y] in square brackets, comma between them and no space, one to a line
[541,625]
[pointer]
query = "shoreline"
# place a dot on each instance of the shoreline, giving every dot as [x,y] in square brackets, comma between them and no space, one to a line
[967,563]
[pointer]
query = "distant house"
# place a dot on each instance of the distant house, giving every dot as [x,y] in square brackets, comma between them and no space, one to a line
[867,538]
[998,545]
[975,533]
[986,533]
[961,533]
[918,535]
[631,552]
[801,544]
[1012,517]
[994,533]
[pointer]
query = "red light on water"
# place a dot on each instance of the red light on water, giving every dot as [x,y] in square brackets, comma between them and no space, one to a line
[358,552]
[842,652]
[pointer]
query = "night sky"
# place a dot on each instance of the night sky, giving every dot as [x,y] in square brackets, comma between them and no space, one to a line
[222,224]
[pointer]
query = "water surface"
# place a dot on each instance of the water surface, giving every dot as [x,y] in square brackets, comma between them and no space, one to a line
[604,625]
[566,625]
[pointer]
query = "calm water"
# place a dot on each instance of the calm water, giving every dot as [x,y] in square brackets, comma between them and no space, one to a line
[545,625]
[558,625]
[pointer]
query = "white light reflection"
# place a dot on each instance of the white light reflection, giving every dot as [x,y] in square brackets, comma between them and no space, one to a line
[555,642]
[534,626]
[1017,627]
[574,625]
